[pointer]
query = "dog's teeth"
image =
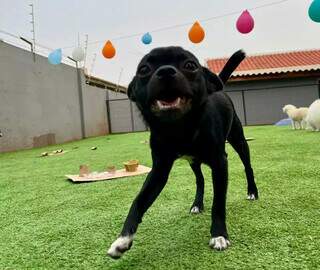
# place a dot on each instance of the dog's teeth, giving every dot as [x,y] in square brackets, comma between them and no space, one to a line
[162,105]
[159,104]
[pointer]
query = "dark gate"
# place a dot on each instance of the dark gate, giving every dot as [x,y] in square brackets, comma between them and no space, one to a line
[123,115]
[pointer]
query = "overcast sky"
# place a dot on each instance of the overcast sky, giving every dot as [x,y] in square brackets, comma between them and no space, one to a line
[281,27]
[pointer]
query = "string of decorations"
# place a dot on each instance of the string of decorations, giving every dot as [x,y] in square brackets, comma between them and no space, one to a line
[244,25]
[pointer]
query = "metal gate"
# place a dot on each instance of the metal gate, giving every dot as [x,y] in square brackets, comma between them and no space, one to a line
[261,104]
[123,115]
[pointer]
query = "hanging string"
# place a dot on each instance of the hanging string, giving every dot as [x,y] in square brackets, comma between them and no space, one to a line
[166,28]
[162,29]
[26,47]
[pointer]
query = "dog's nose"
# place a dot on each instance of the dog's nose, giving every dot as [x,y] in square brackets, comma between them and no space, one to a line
[166,72]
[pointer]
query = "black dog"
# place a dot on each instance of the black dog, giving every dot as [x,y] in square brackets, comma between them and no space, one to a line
[188,115]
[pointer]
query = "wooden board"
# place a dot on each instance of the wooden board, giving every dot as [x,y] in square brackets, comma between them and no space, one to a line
[100,176]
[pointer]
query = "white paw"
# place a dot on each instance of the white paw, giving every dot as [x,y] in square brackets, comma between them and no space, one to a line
[195,210]
[120,246]
[219,243]
[251,197]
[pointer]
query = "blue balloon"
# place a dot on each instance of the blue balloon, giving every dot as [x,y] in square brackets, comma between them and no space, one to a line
[147,38]
[55,57]
[314,11]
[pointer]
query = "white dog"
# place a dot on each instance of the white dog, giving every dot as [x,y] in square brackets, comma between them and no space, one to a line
[313,117]
[297,115]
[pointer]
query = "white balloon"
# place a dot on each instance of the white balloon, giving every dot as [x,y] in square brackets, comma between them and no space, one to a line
[78,54]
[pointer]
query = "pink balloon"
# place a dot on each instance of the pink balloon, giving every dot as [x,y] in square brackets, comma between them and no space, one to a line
[245,22]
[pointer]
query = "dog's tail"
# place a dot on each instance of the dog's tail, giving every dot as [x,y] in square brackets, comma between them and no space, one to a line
[233,62]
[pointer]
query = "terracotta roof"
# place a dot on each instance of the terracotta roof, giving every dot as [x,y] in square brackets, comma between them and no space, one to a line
[287,62]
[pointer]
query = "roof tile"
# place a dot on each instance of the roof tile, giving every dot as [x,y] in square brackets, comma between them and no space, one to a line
[272,63]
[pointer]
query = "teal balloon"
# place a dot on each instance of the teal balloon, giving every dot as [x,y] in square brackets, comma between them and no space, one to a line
[55,57]
[314,11]
[146,39]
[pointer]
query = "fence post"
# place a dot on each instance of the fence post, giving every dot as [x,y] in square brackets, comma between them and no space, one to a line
[244,108]
[83,131]
[108,111]
[131,113]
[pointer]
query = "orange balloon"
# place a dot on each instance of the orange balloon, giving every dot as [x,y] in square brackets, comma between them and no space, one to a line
[196,33]
[108,50]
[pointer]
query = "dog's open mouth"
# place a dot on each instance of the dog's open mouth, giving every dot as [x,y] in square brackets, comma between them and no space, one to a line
[176,103]
[171,109]
[168,104]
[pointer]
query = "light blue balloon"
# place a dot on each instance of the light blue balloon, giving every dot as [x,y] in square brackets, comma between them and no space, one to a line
[314,11]
[55,57]
[147,38]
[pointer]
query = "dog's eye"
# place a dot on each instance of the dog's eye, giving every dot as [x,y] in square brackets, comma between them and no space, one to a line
[144,70]
[190,65]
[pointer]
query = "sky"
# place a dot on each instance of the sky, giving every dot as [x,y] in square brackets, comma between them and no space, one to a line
[58,23]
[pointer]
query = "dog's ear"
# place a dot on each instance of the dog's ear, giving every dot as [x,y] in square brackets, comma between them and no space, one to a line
[213,81]
[131,90]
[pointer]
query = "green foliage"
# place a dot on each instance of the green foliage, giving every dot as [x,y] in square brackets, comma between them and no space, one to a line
[47,222]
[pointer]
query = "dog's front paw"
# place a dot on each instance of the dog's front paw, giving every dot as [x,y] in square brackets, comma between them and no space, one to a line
[195,210]
[252,197]
[120,246]
[219,243]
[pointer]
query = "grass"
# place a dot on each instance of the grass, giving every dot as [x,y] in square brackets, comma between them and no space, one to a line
[47,222]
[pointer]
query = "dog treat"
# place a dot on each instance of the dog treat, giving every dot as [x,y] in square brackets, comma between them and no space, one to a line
[84,170]
[131,165]
[53,153]
[111,169]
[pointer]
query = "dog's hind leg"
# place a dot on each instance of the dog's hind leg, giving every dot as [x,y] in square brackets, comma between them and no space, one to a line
[238,142]
[197,205]
[219,235]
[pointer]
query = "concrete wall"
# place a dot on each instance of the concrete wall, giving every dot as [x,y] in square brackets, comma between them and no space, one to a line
[261,102]
[39,102]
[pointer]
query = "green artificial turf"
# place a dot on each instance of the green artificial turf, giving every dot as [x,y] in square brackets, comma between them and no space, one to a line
[47,222]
